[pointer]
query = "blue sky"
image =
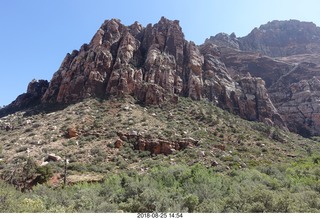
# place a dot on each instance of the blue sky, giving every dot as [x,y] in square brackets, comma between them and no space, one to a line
[36,34]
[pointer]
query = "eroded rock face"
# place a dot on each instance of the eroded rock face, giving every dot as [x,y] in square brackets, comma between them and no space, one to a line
[156,146]
[297,95]
[225,40]
[302,110]
[156,64]
[283,38]
[291,78]
[35,91]
[144,62]
[236,90]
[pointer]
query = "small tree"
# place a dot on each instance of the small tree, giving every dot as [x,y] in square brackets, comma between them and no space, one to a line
[45,172]
[28,172]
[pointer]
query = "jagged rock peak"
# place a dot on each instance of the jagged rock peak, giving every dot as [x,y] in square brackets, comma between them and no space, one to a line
[155,64]
[283,38]
[224,40]
[121,60]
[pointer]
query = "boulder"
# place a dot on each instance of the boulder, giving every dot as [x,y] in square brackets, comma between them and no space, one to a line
[214,163]
[118,143]
[157,146]
[72,132]
[52,158]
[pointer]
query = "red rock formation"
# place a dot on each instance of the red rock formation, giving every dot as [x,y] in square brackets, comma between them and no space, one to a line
[291,80]
[121,60]
[155,64]
[156,146]
[118,143]
[72,132]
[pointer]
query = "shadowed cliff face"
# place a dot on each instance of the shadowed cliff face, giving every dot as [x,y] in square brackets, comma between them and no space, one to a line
[31,98]
[297,97]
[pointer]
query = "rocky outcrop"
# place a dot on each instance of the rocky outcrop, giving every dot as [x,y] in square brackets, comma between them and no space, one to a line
[53,158]
[302,109]
[233,90]
[144,62]
[259,76]
[71,132]
[296,95]
[154,145]
[32,97]
[283,38]
[240,64]
[225,40]
[255,104]
[154,64]
[291,78]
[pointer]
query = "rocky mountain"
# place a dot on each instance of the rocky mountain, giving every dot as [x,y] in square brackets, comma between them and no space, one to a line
[285,54]
[283,38]
[155,64]
[271,75]
[137,121]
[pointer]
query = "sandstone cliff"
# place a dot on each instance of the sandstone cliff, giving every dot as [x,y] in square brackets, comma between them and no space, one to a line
[285,54]
[155,64]
[271,75]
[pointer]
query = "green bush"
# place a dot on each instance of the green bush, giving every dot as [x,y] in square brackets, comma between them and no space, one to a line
[191,202]
[45,172]
[28,205]
[8,197]
[178,188]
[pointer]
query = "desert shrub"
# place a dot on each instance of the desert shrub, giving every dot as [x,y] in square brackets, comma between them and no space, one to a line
[111,188]
[28,130]
[28,205]
[278,135]
[71,142]
[99,154]
[290,187]
[143,154]
[8,197]
[57,200]
[190,202]
[76,166]
[261,127]
[45,172]
[106,206]
[85,200]
[36,125]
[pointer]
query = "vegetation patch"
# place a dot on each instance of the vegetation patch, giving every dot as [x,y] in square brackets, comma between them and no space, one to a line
[234,166]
